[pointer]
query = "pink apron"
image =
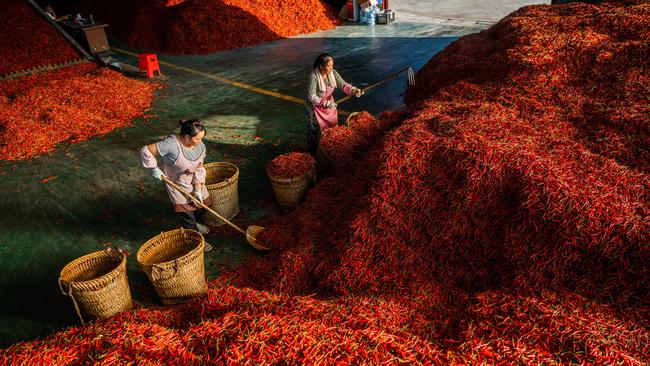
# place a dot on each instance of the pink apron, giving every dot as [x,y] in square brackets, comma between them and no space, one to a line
[326,117]
[183,174]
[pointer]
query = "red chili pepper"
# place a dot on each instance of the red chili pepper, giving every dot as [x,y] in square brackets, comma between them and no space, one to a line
[51,177]
[198,27]
[488,222]
[28,41]
[290,165]
[45,110]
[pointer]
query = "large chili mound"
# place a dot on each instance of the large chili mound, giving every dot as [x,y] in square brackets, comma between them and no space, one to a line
[501,217]
[68,105]
[207,26]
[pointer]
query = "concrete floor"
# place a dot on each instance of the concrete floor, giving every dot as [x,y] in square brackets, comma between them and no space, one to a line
[470,13]
[103,197]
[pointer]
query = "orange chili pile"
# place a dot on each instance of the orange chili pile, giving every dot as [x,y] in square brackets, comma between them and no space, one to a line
[68,105]
[208,26]
[27,40]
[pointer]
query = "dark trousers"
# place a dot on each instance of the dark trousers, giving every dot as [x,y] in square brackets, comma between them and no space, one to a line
[189,218]
[313,132]
[313,139]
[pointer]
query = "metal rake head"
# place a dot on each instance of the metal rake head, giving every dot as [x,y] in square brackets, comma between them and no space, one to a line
[411,75]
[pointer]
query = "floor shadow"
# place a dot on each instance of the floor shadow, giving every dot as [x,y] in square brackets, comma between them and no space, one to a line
[62,229]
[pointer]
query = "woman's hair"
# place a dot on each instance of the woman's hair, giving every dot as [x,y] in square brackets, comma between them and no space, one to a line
[322,60]
[191,127]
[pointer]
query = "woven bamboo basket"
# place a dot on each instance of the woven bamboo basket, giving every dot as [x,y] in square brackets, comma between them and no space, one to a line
[222,181]
[173,262]
[351,118]
[290,191]
[97,284]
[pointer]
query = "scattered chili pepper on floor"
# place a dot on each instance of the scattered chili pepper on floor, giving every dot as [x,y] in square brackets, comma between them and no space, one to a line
[50,178]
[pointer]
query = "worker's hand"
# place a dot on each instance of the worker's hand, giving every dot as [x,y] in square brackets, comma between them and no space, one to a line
[357,92]
[157,173]
[198,194]
[329,104]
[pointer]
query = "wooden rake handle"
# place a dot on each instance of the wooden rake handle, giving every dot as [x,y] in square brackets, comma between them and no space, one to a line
[387,78]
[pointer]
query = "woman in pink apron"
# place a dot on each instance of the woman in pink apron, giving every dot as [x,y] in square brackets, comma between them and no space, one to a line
[321,108]
[182,157]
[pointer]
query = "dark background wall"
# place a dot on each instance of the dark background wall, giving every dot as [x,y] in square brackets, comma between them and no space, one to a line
[336,4]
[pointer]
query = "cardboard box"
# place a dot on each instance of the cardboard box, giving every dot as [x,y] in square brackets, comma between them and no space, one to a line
[385,17]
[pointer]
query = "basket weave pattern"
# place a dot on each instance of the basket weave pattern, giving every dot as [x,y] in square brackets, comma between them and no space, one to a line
[97,284]
[222,181]
[173,262]
[290,191]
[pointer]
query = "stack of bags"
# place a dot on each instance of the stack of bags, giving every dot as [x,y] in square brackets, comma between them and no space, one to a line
[369,11]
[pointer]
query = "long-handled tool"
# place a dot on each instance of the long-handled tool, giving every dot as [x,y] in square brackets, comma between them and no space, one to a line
[251,230]
[411,81]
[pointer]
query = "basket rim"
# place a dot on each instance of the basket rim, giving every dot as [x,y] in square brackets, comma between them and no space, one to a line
[226,181]
[107,276]
[353,114]
[149,242]
[307,174]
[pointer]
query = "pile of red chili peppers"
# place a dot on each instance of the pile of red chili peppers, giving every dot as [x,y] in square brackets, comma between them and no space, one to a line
[27,40]
[69,105]
[208,26]
[341,144]
[495,223]
[370,128]
[290,165]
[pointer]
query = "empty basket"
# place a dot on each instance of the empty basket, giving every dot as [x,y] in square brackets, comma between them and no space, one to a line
[222,181]
[173,261]
[97,284]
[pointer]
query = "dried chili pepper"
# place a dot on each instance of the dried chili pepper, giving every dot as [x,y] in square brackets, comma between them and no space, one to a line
[290,165]
[67,105]
[28,41]
[494,224]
